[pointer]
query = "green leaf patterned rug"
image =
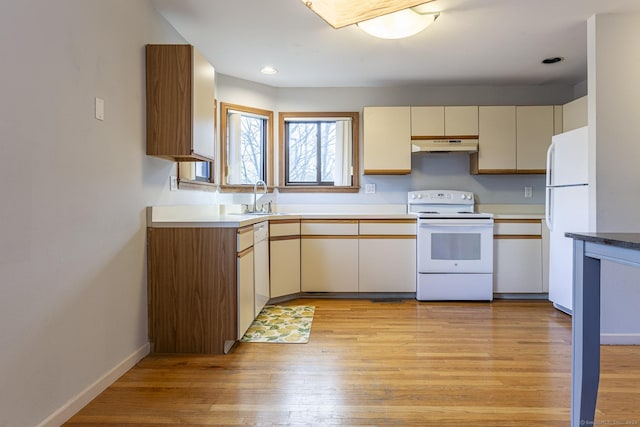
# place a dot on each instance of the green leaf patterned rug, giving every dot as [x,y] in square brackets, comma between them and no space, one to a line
[281,324]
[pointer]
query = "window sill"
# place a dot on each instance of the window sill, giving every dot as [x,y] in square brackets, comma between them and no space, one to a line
[318,189]
[187,184]
[243,189]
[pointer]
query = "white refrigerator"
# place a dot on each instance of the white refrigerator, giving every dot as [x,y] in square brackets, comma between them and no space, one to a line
[566,209]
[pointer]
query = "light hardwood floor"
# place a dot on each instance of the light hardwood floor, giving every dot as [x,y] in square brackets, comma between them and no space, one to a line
[394,363]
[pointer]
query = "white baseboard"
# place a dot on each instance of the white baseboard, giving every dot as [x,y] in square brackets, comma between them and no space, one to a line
[620,339]
[79,401]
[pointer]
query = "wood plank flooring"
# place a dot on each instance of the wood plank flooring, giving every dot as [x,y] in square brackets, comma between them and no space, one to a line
[397,363]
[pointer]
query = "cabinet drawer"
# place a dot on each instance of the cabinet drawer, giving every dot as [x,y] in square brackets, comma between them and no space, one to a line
[284,228]
[388,227]
[338,227]
[245,238]
[507,227]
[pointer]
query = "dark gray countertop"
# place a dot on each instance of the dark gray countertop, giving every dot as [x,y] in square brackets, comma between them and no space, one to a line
[622,240]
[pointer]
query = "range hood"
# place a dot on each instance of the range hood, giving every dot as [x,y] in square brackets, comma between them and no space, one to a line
[444,145]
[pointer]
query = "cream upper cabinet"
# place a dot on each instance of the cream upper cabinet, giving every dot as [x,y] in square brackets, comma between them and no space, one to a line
[438,121]
[387,140]
[534,129]
[557,119]
[427,121]
[574,114]
[461,121]
[497,136]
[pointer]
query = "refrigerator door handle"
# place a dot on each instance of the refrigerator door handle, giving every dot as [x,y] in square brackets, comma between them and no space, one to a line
[547,208]
[550,151]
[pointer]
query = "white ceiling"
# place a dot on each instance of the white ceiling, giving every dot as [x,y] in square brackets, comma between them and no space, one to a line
[472,42]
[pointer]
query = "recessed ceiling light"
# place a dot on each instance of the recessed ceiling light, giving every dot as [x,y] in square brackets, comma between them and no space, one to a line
[268,70]
[552,60]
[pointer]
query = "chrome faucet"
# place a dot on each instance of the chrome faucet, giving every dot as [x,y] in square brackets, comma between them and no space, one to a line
[255,193]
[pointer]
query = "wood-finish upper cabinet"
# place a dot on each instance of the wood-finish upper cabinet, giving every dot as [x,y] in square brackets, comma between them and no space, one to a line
[387,140]
[534,129]
[497,140]
[180,103]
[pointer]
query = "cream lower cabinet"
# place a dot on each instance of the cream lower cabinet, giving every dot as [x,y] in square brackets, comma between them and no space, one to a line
[518,250]
[245,280]
[387,256]
[329,255]
[284,241]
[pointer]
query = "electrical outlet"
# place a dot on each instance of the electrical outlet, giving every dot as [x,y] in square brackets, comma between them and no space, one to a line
[173,183]
[370,188]
[528,192]
[99,108]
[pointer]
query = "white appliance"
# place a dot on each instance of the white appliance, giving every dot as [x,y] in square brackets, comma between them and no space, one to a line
[261,265]
[454,246]
[566,209]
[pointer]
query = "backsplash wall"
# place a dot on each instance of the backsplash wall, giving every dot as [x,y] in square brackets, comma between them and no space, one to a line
[429,171]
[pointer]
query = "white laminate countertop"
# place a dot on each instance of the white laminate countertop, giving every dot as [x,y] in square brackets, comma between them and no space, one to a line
[209,216]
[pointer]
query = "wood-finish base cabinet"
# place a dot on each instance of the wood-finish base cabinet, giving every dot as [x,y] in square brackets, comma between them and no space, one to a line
[329,255]
[284,257]
[518,256]
[387,256]
[192,291]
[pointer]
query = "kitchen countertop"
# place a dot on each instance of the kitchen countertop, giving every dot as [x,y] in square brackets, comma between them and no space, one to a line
[210,217]
[621,240]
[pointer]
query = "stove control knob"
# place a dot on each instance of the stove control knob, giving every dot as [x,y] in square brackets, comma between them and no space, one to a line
[464,196]
[413,196]
[419,196]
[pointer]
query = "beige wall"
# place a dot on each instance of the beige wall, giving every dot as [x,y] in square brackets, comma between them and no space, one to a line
[614,135]
[74,189]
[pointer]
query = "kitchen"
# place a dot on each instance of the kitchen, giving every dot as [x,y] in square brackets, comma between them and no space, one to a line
[72,312]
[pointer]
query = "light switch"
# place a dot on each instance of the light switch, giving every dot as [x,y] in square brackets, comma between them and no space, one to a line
[99,108]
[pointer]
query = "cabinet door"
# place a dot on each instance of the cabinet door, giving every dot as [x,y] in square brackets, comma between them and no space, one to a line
[575,114]
[387,264]
[517,265]
[245,291]
[180,103]
[427,121]
[534,126]
[203,102]
[285,266]
[497,139]
[329,264]
[387,140]
[461,120]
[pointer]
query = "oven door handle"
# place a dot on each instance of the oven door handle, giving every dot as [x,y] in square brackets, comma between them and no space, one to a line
[456,223]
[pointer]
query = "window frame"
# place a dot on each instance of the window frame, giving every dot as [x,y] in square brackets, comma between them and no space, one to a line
[268,155]
[283,187]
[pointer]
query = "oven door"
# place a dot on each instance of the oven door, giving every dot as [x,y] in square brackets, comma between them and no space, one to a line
[455,246]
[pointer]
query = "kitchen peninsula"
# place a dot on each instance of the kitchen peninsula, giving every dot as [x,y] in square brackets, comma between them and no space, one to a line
[589,249]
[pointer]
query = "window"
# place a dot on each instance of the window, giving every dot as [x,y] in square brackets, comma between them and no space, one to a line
[319,152]
[247,135]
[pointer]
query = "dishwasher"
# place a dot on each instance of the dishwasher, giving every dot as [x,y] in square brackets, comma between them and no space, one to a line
[261,265]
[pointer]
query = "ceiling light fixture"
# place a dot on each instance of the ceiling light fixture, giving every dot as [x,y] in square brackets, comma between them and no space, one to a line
[341,13]
[268,69]
[398,25]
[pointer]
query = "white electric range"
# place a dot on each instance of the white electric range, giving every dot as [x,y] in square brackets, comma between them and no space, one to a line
[454,246]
